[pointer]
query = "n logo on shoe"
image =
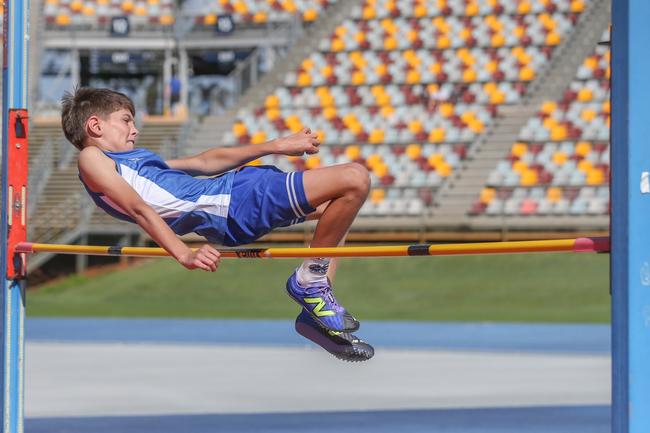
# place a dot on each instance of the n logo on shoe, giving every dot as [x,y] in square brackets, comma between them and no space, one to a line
[318,309]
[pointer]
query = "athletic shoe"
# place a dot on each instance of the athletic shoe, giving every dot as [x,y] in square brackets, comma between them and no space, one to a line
[343,345]
[320,303]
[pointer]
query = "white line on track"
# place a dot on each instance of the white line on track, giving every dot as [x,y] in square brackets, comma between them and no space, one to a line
[79,379]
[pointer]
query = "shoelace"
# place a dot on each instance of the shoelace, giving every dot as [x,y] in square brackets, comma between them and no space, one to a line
[326,292]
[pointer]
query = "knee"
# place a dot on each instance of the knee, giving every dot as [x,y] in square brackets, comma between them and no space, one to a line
[358,178]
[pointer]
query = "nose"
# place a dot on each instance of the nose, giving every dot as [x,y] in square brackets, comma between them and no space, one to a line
[134,131]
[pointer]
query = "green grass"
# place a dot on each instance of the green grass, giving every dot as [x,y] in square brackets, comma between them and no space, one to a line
[520,288]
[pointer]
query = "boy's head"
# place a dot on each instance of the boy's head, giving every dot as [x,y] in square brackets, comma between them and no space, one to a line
[83,103]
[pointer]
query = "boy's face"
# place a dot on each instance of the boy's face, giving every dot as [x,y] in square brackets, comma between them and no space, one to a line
[119,131]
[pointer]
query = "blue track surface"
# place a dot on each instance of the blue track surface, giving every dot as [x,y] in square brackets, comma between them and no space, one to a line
[581,419]
[588,339]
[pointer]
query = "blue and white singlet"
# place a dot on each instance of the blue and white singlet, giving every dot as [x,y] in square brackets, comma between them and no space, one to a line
[187,204]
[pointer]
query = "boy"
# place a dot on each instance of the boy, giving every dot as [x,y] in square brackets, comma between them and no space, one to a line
[244,203]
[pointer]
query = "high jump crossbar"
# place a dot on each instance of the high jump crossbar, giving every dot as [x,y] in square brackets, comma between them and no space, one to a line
[579,245]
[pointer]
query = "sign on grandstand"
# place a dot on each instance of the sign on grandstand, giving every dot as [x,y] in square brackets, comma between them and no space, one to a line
[120,26]
[224,24]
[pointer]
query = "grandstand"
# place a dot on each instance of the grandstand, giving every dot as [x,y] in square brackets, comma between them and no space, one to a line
[478,116]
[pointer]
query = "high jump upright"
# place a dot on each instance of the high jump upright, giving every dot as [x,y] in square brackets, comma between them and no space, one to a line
[14,208]
[630,216]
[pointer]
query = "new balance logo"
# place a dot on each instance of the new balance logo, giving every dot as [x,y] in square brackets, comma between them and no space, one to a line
[318,309]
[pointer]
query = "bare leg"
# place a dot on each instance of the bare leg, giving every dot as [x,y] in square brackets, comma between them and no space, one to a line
[345,187]
[331,273]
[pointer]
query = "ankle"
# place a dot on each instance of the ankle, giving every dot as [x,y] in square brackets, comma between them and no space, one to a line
[312,271]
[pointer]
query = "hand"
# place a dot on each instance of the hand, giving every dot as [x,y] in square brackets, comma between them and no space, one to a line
[304,141]
[206,258]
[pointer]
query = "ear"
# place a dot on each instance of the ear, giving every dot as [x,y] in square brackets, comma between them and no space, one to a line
[94,127]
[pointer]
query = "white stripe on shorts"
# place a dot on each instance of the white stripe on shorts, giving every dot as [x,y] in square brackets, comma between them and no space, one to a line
[292,184]
[293,206]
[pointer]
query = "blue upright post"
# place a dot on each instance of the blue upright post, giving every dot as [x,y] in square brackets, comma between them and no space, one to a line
[630,223]
[14,204]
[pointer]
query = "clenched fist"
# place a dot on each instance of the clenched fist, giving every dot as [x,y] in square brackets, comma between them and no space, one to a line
[303,141]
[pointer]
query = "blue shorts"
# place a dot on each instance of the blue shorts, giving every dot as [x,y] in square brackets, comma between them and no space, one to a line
[264,198]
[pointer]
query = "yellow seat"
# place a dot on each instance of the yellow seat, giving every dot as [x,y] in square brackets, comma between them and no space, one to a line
[560,158]
[260,17]
[313,161]
[62,19]
[498,40]
[443,42]
[413,151]
[548,107]
[387,111]
[353,152]
[310,15]
[271,101]
[585,95]
[588,115]
[583,148]
[380,170]
[376,136]
[413,77]
[595,177]
[358,78]
[166,20]
[553,39]
[210,19]
[498,97]
[554,194]
[447,109]
[524,8]
[437,135]
[558,133]
[304,79]
[577,6]
[435,159]
[585,166]
[258,138]
[444,169]
[369,13]
[472,9]
[415,126]
[377,195]
[527,74]
[487,195]
[337,45]
[528,178]
[390,43]
[239,129]
[469,75]
[591,62]
[329,113]
[519,166]
[273,114]
[519,149]
[127,6]
[76,6]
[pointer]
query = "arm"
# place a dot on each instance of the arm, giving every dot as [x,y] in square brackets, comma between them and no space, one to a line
[98,172]
[222,159]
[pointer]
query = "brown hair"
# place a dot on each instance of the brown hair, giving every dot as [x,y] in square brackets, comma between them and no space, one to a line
[78,105]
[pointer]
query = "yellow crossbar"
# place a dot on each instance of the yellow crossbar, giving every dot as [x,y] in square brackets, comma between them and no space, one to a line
[579,245]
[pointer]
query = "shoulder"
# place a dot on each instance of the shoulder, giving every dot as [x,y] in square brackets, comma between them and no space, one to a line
[91,159]
[91,153]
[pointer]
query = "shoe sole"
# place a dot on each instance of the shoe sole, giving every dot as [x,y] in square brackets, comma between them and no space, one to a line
[317,319]
[320,337]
